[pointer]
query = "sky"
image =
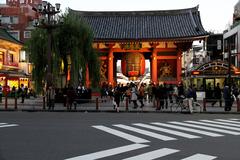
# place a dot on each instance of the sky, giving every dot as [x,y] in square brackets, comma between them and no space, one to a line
[216,15]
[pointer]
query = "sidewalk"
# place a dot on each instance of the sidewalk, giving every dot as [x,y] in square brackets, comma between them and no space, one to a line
[104,105]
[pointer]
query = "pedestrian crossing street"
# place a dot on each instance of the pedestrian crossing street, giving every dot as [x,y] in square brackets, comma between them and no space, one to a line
[3,125]
[167,131]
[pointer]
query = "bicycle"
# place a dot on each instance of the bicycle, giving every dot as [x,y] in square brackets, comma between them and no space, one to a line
[181,103]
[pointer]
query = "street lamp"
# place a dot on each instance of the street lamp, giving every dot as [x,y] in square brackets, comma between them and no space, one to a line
[48,19]
[229,67]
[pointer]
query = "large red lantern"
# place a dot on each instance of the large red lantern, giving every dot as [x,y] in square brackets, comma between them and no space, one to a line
[133,64]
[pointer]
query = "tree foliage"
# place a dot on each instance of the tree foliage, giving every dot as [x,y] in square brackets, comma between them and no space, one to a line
[71,39]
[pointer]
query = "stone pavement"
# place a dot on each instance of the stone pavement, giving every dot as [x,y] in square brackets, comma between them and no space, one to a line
[96,104]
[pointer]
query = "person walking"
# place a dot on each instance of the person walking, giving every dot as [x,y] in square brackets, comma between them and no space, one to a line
[209,93]
[22,92]
[165,95]
[227,98]
[150,92]
[71,95]
[51,97]
[134,96]
[117,98]
[190,96]
[160,97]
[180,90]
[141,92]
[217,95]
[154,95]
[170,93]
[194,91]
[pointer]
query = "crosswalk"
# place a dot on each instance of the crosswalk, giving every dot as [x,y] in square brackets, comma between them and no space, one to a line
[3,125]
[141,134]
[174,130]
[155,154]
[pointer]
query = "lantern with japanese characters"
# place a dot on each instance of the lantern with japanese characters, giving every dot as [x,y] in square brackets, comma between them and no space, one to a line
[133,65]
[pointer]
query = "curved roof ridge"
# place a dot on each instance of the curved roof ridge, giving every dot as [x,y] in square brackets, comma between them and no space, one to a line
[137,12]
[144,25]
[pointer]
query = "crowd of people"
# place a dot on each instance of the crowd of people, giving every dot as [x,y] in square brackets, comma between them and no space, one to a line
[160,95]
[68,95]
[22,92]
[228,93]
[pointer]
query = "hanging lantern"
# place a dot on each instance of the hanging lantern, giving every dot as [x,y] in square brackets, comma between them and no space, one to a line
[133,64]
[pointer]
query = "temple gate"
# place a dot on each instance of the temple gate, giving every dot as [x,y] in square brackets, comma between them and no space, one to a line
[136,36]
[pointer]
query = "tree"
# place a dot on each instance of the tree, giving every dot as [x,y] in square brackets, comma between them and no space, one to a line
[71,40]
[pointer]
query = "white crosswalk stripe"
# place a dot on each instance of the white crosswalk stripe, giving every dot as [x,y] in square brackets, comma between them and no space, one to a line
[223,123]
[206,128]
[181,134]
[109,152]
[153,154]
[230,121]
[200,157]
[144,132]
[189,129]
[144,156]
[3,125]
[121,134]
[212,128]
[215,125]
[234,119]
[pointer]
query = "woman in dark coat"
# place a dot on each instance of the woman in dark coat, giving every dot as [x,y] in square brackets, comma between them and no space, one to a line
[71,95]
[117,97]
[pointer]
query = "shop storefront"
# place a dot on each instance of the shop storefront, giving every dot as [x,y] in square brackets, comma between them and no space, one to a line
[14,79]
[211,73]
[13,68]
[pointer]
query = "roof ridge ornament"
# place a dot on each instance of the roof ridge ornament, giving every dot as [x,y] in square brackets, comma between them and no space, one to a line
[193,21]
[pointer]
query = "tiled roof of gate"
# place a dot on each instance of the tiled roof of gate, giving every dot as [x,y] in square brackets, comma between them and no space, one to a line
[144,25]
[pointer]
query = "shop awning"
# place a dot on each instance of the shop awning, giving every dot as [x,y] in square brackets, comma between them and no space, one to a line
[217,68]
[14,73]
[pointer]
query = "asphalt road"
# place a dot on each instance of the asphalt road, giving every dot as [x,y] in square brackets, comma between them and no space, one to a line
[115,136]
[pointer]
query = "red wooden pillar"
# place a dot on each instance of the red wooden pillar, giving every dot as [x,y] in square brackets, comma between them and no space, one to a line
[110,67]
[87,77]
[154,67]
[179,66]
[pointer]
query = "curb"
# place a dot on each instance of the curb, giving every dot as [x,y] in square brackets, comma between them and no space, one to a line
[113,111]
